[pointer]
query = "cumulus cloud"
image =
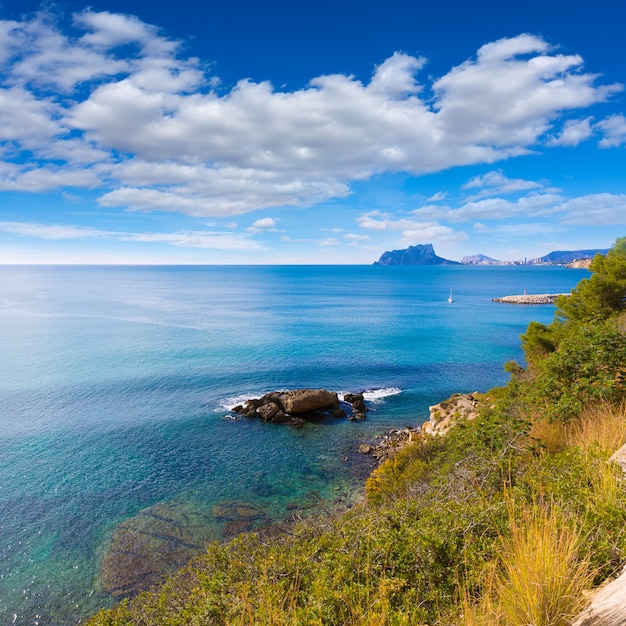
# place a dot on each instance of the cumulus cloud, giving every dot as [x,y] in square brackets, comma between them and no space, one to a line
[536,205]
[603,209]
[496,183]
[411,230]
[262,225]
[573,132]
[116,99]
[614,129]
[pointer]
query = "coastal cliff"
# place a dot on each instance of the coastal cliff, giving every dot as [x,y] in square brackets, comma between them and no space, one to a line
[514,505]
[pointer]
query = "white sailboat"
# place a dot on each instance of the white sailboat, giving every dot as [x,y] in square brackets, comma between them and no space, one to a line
[450,298]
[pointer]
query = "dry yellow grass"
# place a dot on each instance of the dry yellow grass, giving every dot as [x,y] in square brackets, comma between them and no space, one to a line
[540,578]
[600,425]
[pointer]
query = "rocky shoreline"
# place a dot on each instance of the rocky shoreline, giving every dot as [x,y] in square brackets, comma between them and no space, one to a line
[442,417]
[300,405]
[154,543]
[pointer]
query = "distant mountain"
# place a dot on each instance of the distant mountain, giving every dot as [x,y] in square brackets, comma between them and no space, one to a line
[562,257]
[479,259]
[422,254]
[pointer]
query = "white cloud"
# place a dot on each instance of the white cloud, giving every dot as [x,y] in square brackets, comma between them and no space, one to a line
[355,237]
[26,122]
[198,239]
[517,230]
[602,209]
[262,225]
[438,197]
[614,129]
[155,134]
[329,241]
[508,101]
[186,239]
[109,30]
[431,231]
[15,178]
[411,230]
[573,132]
[496,183]
[536,205]
[52,232]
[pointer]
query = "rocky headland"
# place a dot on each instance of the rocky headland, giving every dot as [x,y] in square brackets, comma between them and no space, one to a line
[422,254]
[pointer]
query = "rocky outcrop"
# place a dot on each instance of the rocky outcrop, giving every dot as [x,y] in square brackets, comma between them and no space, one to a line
[388,444]
[580,264]
[359,409]
[308,400]
[445,414]
[294,407]
[442,417]
[422,254]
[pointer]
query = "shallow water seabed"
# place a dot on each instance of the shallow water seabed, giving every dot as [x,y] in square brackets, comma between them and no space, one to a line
[113,383]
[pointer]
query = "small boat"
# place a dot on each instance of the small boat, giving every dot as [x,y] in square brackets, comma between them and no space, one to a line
[450,298]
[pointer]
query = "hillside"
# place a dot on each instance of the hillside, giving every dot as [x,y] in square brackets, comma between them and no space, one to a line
[562,257]
[422,254]
[506,519]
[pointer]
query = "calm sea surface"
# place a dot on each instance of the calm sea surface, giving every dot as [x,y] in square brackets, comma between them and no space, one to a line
[115,384]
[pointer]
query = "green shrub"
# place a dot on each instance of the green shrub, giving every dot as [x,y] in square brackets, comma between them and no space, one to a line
[473,527]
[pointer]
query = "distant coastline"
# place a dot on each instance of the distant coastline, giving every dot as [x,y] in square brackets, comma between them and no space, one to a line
[424,254]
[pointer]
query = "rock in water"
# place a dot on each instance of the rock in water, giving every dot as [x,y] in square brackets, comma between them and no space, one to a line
[287,406]
[308,400]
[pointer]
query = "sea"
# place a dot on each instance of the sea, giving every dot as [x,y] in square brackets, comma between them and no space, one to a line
[119,454]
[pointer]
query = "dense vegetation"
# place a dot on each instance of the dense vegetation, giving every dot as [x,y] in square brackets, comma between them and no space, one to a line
[503,521]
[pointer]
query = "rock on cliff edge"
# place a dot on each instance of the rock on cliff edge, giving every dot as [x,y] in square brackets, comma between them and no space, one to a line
[445,414]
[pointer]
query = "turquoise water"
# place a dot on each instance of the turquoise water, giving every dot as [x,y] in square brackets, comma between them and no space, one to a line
[115,384]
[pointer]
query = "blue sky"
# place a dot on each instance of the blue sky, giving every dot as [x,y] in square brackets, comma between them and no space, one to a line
[310,132]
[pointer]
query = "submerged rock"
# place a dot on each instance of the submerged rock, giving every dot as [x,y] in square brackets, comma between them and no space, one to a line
[239,517]
[152,545]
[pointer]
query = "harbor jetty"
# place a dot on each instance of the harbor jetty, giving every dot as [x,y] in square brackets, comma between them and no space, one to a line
[536,298]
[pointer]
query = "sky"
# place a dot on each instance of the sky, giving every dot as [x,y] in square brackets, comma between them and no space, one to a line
[309,132]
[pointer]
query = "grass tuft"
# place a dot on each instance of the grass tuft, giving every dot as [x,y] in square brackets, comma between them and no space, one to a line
[541,577]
